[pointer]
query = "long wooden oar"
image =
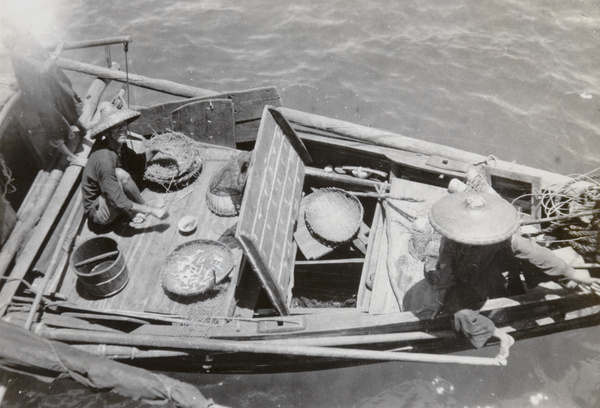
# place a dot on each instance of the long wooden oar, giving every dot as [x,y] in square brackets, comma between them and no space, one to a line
[264,347]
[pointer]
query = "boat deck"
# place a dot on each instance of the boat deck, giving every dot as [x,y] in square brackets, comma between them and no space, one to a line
[145,247]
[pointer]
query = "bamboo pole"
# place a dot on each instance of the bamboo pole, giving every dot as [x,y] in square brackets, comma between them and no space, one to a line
[160,85]
[363,339]
[93,95]
[31,197]
[395,141]
[50,212]
[341,179]
[54,260]
[72,45]
[385,196]
[26,224]
[124,352]
[233,346]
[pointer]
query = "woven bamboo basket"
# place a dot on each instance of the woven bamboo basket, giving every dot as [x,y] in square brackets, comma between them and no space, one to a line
[224,205]
[196,267]
[332,216]
[174,172]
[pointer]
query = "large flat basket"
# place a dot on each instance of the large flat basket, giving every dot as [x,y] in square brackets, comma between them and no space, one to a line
[333,216]
[196,267]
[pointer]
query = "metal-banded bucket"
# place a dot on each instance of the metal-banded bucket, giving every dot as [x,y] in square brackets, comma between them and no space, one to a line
[100,267]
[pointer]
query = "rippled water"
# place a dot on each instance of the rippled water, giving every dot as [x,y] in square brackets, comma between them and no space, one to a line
[515,79]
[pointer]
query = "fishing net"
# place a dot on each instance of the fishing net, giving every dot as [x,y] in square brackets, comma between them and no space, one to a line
[424,240]
[173,172]
[333,216]
[226,188]
[196,268]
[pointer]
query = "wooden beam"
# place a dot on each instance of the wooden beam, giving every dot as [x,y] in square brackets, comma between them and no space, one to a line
[395,141]
[72,45]
[160,85]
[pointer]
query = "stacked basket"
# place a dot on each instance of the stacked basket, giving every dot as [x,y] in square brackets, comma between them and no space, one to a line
[173,172]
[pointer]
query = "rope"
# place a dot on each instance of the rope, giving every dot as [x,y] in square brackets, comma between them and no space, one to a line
[167,387]
[126,50]
[574,197]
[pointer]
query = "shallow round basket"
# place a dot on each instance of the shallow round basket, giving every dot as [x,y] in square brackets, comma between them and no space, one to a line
[187,224]
[224,205]
[332,216]
[196,267]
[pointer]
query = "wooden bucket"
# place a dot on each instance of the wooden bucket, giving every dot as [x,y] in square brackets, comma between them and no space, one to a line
[100,267]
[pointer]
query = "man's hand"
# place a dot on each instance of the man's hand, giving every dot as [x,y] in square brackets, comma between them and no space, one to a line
[159,213]
[434,308]
[582,279]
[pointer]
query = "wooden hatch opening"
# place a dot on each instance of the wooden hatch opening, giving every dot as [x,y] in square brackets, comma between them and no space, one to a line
[271,205]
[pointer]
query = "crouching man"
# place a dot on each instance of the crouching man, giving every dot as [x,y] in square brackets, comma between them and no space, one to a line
[109,177]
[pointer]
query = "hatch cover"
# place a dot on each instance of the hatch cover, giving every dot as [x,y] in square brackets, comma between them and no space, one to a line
[271,204]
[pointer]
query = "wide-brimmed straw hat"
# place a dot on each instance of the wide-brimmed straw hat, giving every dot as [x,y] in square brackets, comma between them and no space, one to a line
[474,218]
[111,116]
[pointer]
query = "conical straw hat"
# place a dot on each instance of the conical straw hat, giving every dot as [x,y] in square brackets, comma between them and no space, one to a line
[474,218]
[110,117]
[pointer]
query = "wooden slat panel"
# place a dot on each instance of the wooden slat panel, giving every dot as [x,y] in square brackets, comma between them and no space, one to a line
[206,121]
[248,106]
[270,210]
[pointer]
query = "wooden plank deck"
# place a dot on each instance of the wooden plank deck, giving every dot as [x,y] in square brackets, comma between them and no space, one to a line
[146,246]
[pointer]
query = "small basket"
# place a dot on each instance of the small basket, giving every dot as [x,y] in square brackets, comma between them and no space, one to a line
[226,187]
[224,205]
[332,216]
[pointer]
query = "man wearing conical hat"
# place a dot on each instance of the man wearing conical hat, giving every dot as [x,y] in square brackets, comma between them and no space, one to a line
[479,242]
[108,181]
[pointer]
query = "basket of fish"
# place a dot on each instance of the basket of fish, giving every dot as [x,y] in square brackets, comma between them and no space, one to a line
[196,267]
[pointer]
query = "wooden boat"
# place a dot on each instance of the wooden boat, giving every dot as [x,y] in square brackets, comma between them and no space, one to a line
[290,302]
